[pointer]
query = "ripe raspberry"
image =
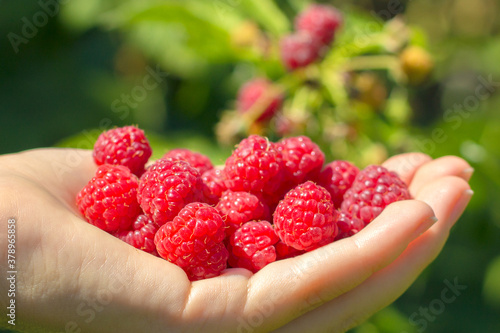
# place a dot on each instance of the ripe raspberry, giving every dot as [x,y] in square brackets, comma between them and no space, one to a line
[259,95]
[302,158]
[125,146]
[320,21]
[142,235]
[213,181]
[348,226]
[198,161]
[284,251]
[255,166]
[306,218]
[237,208]
[299,50]
[337,177]
[194,241]
[252,246]
[109,200]
[166,187]
[374,188]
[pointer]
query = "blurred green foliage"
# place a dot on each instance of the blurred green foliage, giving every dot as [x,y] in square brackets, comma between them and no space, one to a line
[173,67]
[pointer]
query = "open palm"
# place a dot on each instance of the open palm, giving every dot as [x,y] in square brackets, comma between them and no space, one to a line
[73,277]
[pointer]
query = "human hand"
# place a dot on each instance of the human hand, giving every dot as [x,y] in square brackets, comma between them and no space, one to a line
[73,277]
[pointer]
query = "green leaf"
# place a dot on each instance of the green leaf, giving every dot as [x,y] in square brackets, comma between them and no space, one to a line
[268,14]
[398,109]
[391,320]
[419,37]
[81,15]
[491,284]
[360,34]
[183,37]
[205,38]
[166,46]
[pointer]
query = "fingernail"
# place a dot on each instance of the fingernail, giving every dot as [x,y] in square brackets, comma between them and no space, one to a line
[467,173]
[461,204]
[424,226]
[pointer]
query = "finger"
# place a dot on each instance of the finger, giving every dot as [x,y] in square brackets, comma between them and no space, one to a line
[295,286]
[405,165]
[440,167]
[448,197]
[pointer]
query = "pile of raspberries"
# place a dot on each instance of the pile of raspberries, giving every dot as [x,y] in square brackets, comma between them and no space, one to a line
[269,201]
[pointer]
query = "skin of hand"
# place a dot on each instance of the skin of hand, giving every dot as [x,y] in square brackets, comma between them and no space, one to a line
[73,277]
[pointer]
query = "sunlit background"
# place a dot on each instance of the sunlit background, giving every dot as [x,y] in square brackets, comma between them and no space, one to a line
[400,76]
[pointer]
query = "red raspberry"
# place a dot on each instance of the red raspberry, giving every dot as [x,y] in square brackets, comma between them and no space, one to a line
[194,241]
[320,21]
[166,187]
[125,146]
[259,95]
[284,251]
[374,188]
[255,166]
[252,246]
[237,208]
[213,181]
[305,219]
[109,200]
[337,177]
[348,226]
[198,161]
[299,50]
[302,158]
[142,235]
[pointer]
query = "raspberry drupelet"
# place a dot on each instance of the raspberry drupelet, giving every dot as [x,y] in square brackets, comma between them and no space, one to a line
[197,160]
[284,251]
[142,234]
[127,146]
[194,241]
[237,208]
[213,185]
[374,188]
[306,219]
[302,158]
[255,166]
[166,187]
[109,200]
[337,177]
[348,226]
[252,246]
